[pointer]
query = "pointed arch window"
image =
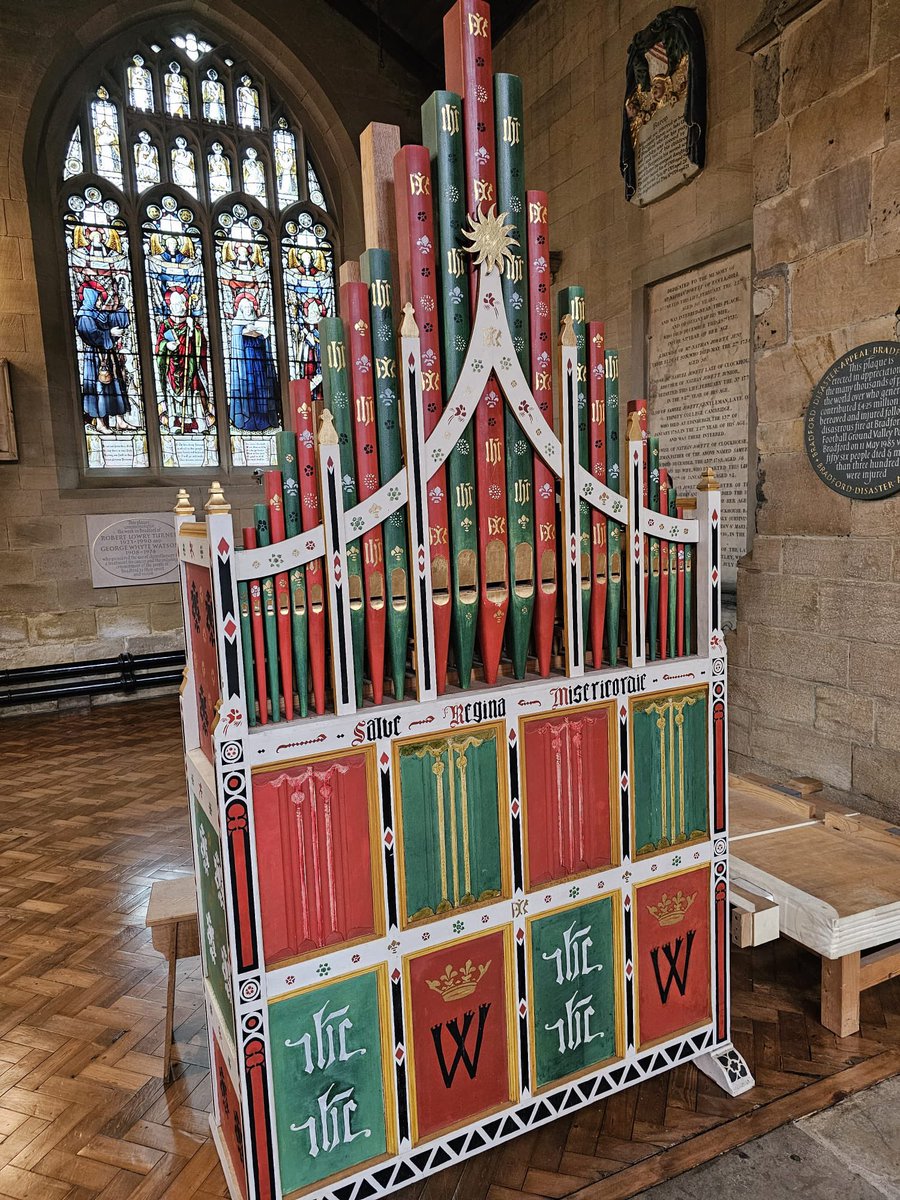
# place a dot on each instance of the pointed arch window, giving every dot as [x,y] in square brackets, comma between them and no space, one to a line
[200,254]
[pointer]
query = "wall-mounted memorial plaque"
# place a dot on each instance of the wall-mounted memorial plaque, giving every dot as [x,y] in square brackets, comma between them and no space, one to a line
[132,548]
[664,117]
[852,429]
[698,384]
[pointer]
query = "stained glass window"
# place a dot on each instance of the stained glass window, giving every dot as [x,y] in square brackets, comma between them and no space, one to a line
[316,195]
[178,97]
[146,162]
[200,268]
[105,124]
[102,298]
[254,175]
[184,170]
[307,267]
[193,46]
[219,166]
[74,164]
[140,85]
[179,335]
[244,273]
[284,149]
[247,97]
[213,92]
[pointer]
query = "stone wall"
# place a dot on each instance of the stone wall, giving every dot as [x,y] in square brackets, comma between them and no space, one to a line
[329,73]
[815,670]
[571,55]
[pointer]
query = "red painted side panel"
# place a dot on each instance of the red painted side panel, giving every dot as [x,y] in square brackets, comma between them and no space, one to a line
[203,651]
[312,835]
[229,1111]
[568,794]
[673,955]
[460,1035]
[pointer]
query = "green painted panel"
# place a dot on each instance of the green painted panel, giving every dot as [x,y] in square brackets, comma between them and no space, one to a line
[669,770]
[330,1105]
[451,826]
[213,924]
[573,989]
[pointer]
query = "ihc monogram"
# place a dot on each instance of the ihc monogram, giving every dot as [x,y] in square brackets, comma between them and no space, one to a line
[327,1043]
[336,359]
[572,956]
[574,1029]
[330,1126]
[456,264]
[512,130]
[450,118]
[380,293]
[493,451]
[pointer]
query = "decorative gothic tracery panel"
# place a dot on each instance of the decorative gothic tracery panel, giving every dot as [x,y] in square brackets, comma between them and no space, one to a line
[183,126]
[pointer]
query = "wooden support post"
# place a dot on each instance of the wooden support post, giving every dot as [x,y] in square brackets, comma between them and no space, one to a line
[840,994]
[709,590]
[378,144]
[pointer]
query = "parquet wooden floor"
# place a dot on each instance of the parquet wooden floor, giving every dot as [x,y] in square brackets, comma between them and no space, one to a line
[93,812]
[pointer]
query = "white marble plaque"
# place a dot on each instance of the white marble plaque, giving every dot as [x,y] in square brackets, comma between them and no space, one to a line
[699,385]
[127,549]
[660,155]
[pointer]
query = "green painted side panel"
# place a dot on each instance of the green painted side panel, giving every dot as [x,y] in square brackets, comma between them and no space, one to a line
[669,770]
[573,989]
[442,134]
[327,1076]
[375,266]
[213,923]
[336,393]
[449,798]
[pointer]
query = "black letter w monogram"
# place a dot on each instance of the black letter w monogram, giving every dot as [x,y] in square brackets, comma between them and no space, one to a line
[676,974]
[462,1053]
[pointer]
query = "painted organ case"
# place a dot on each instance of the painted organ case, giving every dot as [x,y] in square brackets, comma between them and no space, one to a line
[435,922]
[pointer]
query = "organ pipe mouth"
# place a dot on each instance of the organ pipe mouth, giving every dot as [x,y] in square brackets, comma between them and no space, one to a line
[467,577]
[399,598]
[548,572]
[440,580]
[356,592]
[496,586]
[317,598]
[376,590]
[524,570]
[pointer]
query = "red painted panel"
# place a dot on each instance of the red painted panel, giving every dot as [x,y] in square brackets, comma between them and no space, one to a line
[568,794]
[204,653]
[460,1036]
[673,954]
[229,1110]
[313,839]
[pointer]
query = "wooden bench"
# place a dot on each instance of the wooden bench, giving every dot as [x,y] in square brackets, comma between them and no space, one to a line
[175,932]
[835,876]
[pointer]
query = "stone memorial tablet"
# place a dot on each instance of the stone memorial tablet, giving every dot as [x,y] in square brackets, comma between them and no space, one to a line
[664,117]
[132,548]
[699,385]
[852,427]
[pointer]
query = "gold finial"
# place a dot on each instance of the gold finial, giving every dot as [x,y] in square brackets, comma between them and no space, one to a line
[491,239]
[183,506]
[408,326]
[633,431]
[567,336]
[708,481]
[328,435]
[217,502]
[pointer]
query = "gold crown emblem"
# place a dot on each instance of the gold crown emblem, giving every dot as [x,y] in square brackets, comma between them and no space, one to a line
[671,909]
[455,983]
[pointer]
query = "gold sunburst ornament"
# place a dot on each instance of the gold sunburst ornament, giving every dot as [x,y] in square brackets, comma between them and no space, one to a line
[491,239]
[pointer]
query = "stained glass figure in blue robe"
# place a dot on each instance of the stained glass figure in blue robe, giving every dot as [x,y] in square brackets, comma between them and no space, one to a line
[100,322]
[254,391]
